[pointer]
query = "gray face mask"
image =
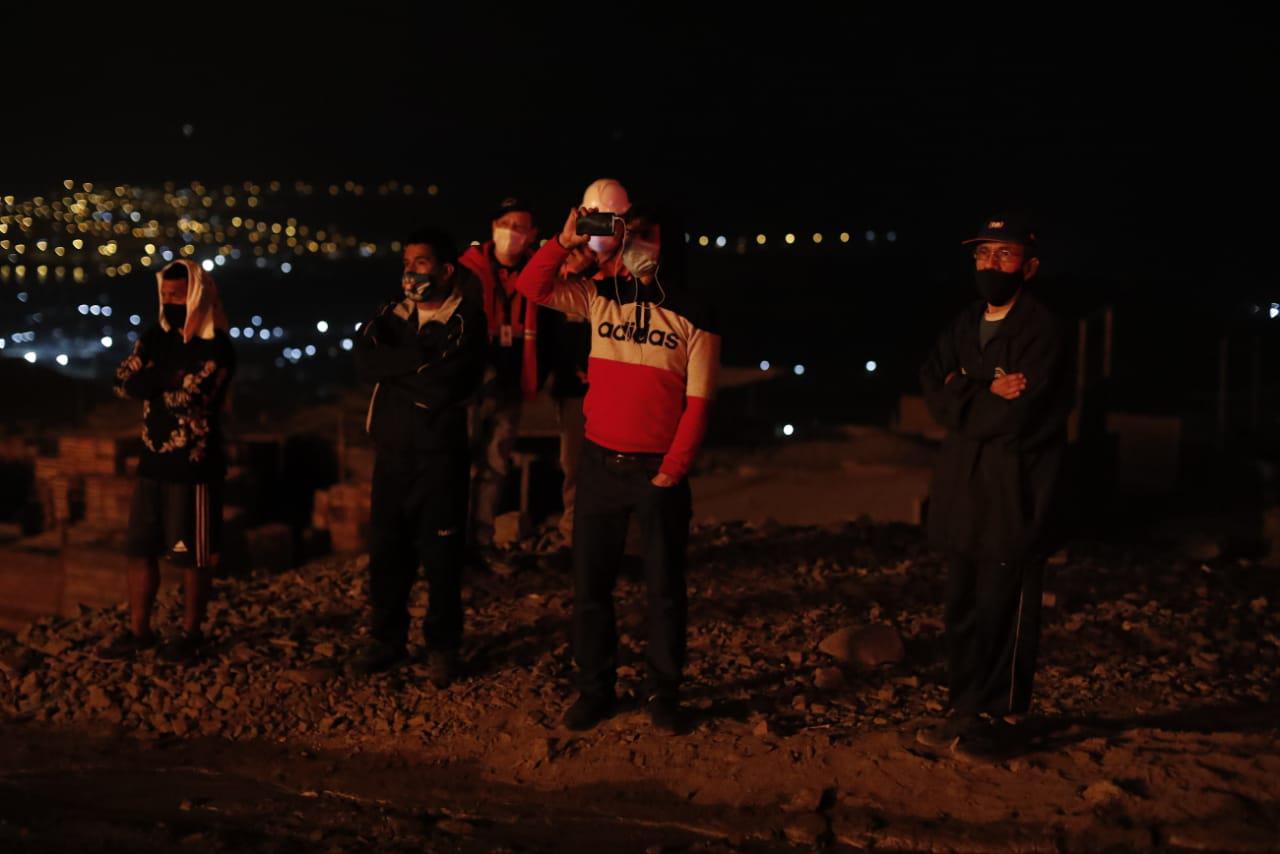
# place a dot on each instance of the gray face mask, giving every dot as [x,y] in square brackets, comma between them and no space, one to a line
[640,257]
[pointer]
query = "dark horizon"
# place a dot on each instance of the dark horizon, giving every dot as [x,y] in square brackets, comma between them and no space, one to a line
[1131,132]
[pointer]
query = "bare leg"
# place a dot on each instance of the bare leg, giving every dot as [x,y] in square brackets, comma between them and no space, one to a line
[144,580]
[195,588]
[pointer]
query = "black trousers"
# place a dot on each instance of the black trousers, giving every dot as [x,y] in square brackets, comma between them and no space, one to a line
[610,488]
[993,634]
[418,517]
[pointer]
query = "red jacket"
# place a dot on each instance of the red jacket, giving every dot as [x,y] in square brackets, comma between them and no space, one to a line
[524,312]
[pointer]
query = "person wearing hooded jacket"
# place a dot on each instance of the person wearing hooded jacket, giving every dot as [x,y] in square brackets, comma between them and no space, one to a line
[424,354]
[996,380]
[655,352]
[180,368]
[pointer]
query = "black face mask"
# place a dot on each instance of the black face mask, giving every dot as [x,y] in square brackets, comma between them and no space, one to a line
[996,286]
[175,316]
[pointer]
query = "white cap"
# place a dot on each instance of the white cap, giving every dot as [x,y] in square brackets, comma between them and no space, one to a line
[607,196]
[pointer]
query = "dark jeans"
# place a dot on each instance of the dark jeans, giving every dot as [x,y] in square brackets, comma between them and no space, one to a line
[418,516]
[610,488]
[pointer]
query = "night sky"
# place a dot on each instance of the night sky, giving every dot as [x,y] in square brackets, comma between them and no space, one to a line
[1127,137]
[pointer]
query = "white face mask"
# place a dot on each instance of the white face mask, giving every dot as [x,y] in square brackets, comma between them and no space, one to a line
[640,257]
[603,244]
[509,242]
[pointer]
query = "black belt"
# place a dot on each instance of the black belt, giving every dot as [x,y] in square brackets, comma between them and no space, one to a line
[611,457]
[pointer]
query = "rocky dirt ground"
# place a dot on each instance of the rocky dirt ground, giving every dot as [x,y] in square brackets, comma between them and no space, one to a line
[815,652]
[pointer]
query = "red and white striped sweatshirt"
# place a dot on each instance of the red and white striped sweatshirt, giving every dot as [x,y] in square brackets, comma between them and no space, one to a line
[653,363]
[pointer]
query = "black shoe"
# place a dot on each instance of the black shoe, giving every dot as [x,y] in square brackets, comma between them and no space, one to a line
[990,741]
[126,645]
[666,714]
[589,710]
[379,657]
[442,667]
[185,648]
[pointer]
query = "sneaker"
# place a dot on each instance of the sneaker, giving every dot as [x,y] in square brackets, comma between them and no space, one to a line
[666,713]
[126,645]
[186,647]
[379,657]
[945,735]
[442,667]
[589,710]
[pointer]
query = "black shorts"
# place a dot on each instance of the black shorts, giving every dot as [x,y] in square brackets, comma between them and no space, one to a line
[178,521]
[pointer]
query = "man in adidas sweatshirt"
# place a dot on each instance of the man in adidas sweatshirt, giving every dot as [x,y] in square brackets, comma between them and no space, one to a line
[655,351]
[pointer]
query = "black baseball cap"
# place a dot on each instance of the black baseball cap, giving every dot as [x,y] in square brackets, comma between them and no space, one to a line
[511,204]
[1005,228]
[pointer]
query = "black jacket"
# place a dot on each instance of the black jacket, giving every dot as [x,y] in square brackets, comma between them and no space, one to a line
[182,387]
[999,467]
[423,377]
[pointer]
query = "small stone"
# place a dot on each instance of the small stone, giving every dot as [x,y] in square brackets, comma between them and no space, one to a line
[510,528]
[455,827]
[308,675]
[55,646]
[97,698]
[543,749]
[828,678]
[869,647]
[1102,792]
[806,830]
[805,800]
